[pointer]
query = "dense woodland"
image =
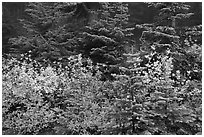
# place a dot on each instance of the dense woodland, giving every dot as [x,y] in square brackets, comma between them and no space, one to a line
[102,68]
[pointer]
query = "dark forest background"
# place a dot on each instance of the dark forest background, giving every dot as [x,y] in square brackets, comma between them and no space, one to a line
[138,11]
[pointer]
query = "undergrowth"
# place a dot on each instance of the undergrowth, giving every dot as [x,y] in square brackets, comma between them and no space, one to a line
[71,100]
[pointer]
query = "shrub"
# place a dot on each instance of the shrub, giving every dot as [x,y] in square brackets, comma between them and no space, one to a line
[67,101]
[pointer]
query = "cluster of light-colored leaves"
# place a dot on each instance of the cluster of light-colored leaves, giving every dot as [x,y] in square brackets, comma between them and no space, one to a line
[76,100]
[67,102]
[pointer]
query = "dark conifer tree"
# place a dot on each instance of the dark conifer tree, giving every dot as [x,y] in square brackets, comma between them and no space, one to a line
[57,30]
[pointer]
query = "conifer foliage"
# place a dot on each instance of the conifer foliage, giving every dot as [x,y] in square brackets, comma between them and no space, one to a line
[154,102]
[106,36]
[153,89]
[46,38]
[58,30]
